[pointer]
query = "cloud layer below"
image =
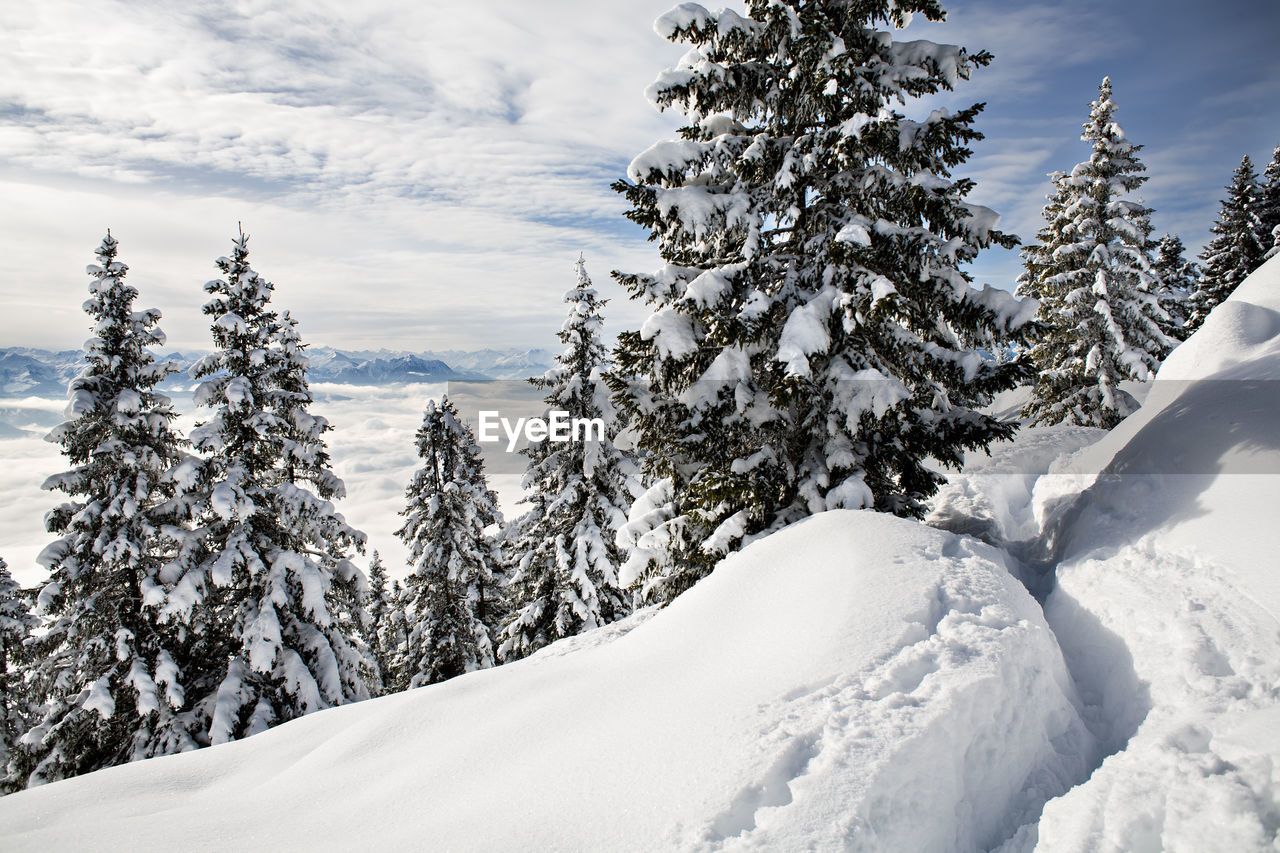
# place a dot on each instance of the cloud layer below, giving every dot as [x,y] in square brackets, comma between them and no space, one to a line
[371,446]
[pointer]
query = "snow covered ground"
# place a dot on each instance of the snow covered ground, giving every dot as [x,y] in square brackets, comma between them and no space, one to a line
[848,681]
[1168,600]
[853,682]
[1164,544]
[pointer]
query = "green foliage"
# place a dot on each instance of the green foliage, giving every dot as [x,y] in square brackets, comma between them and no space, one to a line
[1236,249]
[813,336]
[564,548]
[103,672]
[451,599]
[1092,272]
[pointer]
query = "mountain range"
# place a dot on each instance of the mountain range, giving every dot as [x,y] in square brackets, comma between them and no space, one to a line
[25,371]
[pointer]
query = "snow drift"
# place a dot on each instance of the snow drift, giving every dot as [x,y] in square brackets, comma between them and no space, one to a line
[854,681]
[1168,599]
[1157,550]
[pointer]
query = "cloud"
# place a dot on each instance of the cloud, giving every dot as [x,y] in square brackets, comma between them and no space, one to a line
[371,448]
[421,175]
[28,461]
[1033,43]
[445,165]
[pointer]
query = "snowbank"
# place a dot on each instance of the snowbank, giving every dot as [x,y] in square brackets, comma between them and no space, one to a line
[854,681]
[1168,600]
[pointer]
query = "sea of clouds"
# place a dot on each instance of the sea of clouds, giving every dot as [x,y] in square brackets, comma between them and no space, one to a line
[371,445]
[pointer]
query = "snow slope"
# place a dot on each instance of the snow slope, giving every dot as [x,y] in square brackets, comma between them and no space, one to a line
[1157,550]
[1168,599]
[854,681]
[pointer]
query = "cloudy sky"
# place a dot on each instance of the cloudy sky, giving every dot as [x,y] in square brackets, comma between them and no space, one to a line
[418,174]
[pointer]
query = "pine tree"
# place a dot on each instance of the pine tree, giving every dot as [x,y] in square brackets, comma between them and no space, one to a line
[813,335]
[1099,310]
[104,672]
[1177,277]
[1037,258]
[564,548]
[1269,207]
[263,582]
[16,624]
[450,599]
[396,642]
[1235,250]
[379,630]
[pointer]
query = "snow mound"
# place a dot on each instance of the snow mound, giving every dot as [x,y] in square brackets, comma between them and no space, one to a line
[855,681]
[1167,604]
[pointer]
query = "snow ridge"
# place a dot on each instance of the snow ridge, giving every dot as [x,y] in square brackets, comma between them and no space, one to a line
[1162,543]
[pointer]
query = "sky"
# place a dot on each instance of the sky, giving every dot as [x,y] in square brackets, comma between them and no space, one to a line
[421,175]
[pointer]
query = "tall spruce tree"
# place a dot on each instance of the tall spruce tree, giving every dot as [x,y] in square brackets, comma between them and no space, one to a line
[379,629]
[262,583]
[451,601]
[16,624]
[105,673]
[1177,279]
[396,641]
[1037,258]
[1099,309]
[1235,250]
[812,341]
[564,550]
[1269,207]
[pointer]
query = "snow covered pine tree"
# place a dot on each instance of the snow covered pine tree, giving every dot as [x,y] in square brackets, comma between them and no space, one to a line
[16,624]
[1099,309]
[1038,257]
[564,548]
[262,582]
[104,673]
[1177,279]
[379,629]
[812,342]
[1269,207]
[396,641]
[451,599]
[1235,250]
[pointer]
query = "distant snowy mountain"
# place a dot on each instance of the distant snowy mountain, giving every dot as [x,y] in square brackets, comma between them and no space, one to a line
[355,368]
[499,364]
[28,372]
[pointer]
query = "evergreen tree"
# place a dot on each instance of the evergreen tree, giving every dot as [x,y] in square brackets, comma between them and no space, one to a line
[450,599]
[812,341]
[379,630]
[1177,277]
[396,641]
[1269,207]
[1037,258]
[1099,310]
[564,549]
[16,624]
[262,583]
[104,672]
[1235,250]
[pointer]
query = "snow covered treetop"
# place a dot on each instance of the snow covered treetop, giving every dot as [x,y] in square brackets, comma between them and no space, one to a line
[843,56]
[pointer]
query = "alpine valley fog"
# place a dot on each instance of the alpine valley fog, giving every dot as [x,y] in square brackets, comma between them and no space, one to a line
[371,444]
